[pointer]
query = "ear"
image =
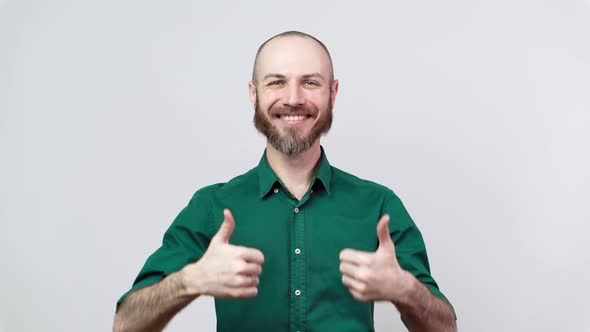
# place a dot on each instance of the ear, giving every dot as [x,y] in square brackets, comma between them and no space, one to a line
[335,85]
[252,93]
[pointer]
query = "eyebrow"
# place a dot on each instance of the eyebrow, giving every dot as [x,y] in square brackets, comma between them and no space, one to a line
[281,76]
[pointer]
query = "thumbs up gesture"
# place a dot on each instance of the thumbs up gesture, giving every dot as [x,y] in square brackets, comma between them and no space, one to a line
[375,276]
[225,270]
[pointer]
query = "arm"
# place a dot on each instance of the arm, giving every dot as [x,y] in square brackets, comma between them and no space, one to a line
[424,311]
[151,308]
[224,271]
[378,276]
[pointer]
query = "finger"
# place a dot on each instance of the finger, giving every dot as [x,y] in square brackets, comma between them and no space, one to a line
[348,269]
[226,229]
[358,295]
[355,256]
[356,272]
[383,233]
[243,292]
[249,269]
[353,284]
[240,280]
[250,255]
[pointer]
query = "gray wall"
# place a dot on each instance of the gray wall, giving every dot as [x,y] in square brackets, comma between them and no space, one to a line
[112,113]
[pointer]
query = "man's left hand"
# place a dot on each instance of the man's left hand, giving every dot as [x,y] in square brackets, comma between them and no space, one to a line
[375,276]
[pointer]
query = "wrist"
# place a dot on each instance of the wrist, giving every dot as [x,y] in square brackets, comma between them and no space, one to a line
[407,288]
[189,286]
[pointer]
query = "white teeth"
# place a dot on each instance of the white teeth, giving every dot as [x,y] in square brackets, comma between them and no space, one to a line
[294,118]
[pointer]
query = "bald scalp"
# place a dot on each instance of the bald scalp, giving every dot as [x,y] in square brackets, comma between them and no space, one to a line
[292,34]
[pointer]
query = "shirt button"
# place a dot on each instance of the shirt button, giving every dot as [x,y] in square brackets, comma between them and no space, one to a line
[296,210]
[310,191]
[298,292]
[297,251]
[276,190]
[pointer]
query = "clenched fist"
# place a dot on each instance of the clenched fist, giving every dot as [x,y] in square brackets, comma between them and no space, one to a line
[375,276]
[225,270]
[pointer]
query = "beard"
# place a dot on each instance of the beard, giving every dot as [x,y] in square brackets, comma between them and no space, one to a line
[292,142]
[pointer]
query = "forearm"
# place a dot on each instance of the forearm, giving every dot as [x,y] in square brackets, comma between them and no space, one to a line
[423,311]
[152,307]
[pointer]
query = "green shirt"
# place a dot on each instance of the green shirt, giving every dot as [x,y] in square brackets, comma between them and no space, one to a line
[301,285]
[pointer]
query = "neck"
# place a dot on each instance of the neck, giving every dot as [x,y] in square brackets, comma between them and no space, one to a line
[295,171]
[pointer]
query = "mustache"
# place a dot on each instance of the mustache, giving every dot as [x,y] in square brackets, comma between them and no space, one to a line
[293,111]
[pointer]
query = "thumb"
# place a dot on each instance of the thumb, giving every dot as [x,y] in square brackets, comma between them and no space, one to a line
[227,227]
[383,232]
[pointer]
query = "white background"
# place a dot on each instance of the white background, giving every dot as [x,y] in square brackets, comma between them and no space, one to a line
[476,113]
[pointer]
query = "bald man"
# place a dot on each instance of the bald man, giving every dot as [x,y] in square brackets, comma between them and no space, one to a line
[293,244]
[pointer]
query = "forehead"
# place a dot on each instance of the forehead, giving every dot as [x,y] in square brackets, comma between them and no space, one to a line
[292,56]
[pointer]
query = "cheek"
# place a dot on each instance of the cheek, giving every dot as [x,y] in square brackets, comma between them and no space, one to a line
[320,99]
[320,103]
[268,101]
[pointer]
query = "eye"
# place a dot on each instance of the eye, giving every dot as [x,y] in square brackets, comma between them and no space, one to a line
[278,82]
[311,83]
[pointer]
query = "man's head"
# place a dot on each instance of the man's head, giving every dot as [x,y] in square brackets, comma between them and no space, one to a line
[293,91]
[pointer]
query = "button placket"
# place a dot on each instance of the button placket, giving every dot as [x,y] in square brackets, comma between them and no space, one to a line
[298,278]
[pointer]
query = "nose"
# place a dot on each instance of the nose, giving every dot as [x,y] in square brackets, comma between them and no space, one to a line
[294,97]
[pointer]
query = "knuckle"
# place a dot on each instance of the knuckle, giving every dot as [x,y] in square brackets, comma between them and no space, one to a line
[244,281]
[361,275]
[362,288]
[359,296]
[345,281]
[239,266]
[356,296]
[228,282]
[239,253]
[248,268]
[343,253]
[236,281]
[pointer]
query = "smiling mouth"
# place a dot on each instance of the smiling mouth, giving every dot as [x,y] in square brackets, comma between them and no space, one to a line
[291,118]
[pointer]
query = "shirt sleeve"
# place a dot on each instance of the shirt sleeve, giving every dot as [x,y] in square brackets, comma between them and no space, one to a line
[185,241]
[409,244]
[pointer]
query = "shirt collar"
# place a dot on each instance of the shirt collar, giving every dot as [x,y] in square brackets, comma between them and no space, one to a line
[268,178]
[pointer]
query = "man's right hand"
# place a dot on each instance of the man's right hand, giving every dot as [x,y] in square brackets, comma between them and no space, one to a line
[225,270]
